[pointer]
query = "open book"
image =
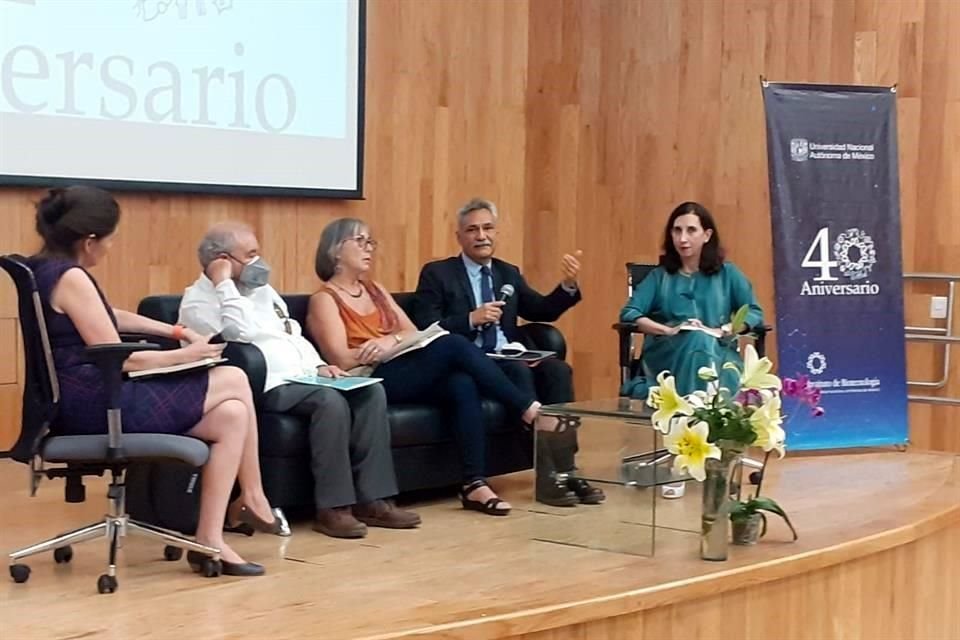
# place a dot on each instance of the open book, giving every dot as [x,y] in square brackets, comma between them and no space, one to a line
[418,340]
[716,333]
[341,384]
[176,368]
[516,351]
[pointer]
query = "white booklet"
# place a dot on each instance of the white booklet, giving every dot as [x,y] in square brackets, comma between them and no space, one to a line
[176,368]
[716,333]
[418,340]
[348,383]
[516,351]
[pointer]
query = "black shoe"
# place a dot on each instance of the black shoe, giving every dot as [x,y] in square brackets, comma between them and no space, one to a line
[555,495]
[584,492]
[197,561]
[492,507]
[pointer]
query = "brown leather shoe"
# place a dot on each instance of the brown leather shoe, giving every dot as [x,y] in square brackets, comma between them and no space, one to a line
[338,523]
[383,513]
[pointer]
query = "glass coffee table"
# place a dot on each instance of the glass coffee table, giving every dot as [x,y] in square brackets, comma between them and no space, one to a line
[616,449]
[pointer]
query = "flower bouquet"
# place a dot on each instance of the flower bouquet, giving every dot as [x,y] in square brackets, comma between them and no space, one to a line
[708,431]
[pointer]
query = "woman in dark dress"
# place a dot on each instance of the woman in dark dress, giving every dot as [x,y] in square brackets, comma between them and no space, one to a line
[77,225]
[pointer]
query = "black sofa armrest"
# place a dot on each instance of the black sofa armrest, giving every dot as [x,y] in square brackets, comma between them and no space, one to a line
[251,360]
[165,308]
[543,337]
[239,354]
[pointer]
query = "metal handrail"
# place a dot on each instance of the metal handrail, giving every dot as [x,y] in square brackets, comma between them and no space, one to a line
[935,335]
[946,277]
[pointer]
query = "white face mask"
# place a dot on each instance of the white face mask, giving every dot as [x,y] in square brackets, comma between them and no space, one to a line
[255,273]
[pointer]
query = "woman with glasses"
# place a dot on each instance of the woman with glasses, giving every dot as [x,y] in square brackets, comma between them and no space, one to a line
[349,436]
[357,323]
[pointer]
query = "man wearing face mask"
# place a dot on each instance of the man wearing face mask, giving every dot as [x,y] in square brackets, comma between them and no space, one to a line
[349,434]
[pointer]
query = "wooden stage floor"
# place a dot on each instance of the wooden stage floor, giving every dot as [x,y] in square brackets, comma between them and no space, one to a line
[464,575]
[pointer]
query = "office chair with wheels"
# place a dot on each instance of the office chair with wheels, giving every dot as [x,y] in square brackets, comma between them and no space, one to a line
[87,455]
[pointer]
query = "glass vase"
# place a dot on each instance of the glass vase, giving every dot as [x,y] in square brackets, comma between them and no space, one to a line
[747,531]
[714,519]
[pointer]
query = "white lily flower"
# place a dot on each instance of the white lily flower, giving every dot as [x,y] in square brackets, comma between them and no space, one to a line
[756,371]
[667,402]
[766,421]
[708,374]
[690,446]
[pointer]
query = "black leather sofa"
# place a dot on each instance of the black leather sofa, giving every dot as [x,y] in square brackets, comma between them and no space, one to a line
[424,452]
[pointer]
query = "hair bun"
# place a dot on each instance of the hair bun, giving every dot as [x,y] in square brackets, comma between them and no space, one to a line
[54,206]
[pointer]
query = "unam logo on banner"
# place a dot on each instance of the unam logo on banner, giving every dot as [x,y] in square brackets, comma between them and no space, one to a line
[799,149]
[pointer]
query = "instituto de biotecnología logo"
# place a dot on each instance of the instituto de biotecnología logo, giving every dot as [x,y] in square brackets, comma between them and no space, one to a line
[816,363]
[852,253]
[802,150]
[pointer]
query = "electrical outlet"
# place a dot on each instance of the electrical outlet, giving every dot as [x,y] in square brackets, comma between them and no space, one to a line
[938,307]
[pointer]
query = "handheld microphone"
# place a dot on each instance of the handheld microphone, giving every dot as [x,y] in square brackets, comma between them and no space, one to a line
[505,292]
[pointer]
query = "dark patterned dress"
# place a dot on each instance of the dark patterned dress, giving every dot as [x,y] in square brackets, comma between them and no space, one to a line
[164,404]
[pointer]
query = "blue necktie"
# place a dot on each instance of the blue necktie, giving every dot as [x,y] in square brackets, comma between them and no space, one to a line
[489,333]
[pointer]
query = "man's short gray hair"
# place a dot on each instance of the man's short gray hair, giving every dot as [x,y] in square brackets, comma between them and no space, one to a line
[220,239]
[476,204]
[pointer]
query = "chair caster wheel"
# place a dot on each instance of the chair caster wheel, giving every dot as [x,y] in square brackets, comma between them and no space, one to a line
[171,553]
[63,555]
[755,477]
[106,584]
[20,573]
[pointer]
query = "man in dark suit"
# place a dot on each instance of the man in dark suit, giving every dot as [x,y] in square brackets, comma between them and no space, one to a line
[462,294]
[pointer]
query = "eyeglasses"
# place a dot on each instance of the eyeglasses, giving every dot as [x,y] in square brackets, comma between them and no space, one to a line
[365,243]
[283,316]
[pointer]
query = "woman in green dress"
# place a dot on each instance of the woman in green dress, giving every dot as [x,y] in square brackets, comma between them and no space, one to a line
[684,306]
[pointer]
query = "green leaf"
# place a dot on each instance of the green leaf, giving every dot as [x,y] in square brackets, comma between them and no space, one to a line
[738,320]
[740,511]
[767,504]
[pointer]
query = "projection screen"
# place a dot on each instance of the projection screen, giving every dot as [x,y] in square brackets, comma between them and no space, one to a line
[235,96]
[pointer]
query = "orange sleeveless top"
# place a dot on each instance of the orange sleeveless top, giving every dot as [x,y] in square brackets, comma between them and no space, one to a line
[360,328]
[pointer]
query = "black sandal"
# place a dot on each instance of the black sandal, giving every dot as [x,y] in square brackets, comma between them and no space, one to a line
[564,422]
[490,507]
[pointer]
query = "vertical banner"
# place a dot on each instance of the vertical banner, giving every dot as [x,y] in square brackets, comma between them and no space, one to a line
[835,203]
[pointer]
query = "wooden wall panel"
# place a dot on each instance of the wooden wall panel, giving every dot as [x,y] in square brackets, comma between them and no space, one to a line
[445,122]
[666,99]
[586,121]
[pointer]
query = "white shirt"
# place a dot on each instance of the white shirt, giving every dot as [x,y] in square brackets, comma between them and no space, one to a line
[260,317]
